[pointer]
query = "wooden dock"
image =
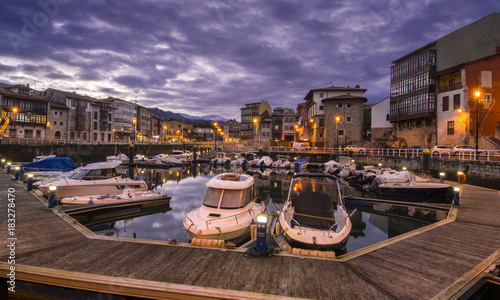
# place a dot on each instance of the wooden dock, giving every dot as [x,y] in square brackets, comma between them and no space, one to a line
[440,260]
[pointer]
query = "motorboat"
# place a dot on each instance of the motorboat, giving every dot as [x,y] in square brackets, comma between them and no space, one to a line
[329,166]
[185,156]
[300,164]
[414,188]
[120,157]
[237,160]
[169,159]
[49,167]
[265,162]
[96,179]
[227,212]
[42,157]
[281,162]
[128,195]
[220,159]
[252,159]
[314,215]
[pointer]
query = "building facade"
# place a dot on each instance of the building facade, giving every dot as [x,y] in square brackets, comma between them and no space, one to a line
[381,126]
[250,116]
[124,115]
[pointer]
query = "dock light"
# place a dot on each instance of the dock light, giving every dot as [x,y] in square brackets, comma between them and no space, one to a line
[30,182]
[8,167]
[16,175]
[380,165]
[441,177]
[461,177]
[261,242]
[3,163]
[52,197]
[456,197]
[404,168]
[352,160]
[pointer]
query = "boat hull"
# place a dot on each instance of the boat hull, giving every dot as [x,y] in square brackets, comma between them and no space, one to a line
[417,190]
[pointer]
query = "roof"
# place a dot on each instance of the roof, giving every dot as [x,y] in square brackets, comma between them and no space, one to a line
[244,182]
[4,91]
[333,88]
[345,97]
[102,165]
[58,105]
[72,95]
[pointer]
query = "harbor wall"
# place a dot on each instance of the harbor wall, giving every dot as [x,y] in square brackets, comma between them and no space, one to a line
[83,153]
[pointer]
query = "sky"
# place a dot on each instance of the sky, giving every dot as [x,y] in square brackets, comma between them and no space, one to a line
[212,57]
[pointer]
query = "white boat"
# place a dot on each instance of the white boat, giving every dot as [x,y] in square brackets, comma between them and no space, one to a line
[314,215]
[185,156]
[281,162]
[329,166]
[120,157]
[237,159]
[97,179]
[228,210]
[169,159]
[220,159]
[41,157]
[128,195]
[265,162]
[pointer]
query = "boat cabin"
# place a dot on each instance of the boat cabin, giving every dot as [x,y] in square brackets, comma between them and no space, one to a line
[230,191]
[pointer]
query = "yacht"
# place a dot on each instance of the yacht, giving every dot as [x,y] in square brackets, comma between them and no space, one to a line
[127,196]
[97,178]
[228,210]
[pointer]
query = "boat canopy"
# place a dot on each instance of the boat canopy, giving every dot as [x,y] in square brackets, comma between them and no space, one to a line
[102,165]
[64,164]
[229,181]
[314,209]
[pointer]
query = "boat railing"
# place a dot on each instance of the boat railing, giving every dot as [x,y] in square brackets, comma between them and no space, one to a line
[343,220]
[235,216]
[186,214]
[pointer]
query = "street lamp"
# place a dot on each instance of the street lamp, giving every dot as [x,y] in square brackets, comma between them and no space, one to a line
[256,129]
[135,128]
[337,120]
[477,94]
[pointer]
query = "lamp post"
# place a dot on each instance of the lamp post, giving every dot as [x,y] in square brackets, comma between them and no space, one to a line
[135,128]
[337,120]
[477,94]
[256,129]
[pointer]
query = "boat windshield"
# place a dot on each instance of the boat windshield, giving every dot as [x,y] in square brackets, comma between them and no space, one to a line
[321,185]
[228,199]
[94,174]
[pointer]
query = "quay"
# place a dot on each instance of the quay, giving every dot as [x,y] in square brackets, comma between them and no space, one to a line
[55,254]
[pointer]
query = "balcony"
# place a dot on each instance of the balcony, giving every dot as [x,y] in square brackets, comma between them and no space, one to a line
[450,87]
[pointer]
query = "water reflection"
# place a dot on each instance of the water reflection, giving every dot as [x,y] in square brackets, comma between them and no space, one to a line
[372,223]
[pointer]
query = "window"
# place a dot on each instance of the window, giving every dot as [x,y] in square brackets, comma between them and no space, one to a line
[341,132]
[321,95]
[446,103]
[58,134]
[348,105]
[339,105]
[348,119]
[38,134]
[321,107]
[55,113]
[95,125]
[387,117]
[456,102]
[451,127]
[276,127]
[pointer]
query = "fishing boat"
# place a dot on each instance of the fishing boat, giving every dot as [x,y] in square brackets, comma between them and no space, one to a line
[228,210]
[413,188]
[97,179]
[314,215]
[128,195]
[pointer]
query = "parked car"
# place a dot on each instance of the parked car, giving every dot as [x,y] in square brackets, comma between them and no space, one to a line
[441,149]
[463,149]
[355,149]
[413,150]
[300,147]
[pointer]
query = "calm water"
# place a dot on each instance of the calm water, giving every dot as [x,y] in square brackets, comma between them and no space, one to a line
[372,223]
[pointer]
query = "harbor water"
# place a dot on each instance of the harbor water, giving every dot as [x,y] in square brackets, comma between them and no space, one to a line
[372,222]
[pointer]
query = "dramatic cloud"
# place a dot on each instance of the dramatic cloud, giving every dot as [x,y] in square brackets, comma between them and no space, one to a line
[212,57]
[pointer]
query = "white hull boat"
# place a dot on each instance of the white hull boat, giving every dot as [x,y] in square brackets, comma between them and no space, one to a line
[228,210]
[128,195]
[97,179]
[314,215]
